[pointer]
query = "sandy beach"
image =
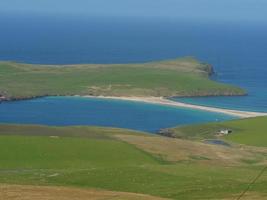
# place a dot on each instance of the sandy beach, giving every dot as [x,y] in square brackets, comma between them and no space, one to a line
[163,101]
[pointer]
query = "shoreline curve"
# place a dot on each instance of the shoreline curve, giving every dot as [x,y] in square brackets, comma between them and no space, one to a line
[164,101]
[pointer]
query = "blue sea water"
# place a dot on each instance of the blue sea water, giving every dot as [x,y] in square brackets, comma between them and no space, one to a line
[237,52]
[65,111]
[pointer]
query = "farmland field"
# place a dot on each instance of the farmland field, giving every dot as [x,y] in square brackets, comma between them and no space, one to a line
[120,160]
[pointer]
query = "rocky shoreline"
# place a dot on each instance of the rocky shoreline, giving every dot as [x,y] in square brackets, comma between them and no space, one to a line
[5,98]
[8,99]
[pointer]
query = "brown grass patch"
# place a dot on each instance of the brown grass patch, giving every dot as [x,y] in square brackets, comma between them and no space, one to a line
[17,192]
[175,150]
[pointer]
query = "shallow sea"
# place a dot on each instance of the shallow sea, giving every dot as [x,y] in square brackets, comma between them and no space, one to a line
[65,111]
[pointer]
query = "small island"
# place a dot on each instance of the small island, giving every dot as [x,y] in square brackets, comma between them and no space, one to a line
[179,77]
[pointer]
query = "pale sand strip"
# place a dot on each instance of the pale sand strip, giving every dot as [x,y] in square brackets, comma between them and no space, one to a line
[163,101]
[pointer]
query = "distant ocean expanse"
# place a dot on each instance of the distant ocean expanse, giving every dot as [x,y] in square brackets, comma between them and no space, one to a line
[237,51]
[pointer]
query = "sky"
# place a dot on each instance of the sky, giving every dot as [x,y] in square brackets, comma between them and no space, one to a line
[224,10]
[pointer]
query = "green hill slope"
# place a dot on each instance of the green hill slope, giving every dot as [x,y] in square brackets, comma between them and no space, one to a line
[251,131]
[126,161]
[180,77]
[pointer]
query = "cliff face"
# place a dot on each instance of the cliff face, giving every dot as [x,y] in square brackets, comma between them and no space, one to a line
[208,68]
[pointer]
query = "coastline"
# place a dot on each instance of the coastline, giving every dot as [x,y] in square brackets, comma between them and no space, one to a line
[161,101]
[164,101]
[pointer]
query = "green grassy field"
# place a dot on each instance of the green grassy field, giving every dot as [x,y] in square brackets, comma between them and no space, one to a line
[245,131]
[128,161]
[180,77]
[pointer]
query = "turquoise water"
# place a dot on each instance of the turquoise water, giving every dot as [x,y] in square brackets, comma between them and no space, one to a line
[101,112]
[244,103]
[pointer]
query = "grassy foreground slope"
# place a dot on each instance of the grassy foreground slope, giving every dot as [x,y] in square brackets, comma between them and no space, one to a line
[180,77]
[245,131]
[126,161]
[23,192]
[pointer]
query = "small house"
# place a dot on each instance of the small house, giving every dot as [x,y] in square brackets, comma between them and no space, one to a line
[224,132]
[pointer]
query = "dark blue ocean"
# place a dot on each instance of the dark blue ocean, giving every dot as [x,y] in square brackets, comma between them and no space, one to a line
[238,53]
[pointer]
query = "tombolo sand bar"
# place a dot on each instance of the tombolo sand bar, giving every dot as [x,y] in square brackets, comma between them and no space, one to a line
[163,101]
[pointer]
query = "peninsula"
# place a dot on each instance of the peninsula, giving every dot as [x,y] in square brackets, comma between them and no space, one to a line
[178,77]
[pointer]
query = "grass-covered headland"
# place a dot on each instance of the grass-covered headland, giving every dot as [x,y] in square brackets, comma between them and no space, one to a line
[180,77]
[245,131]
[106,163]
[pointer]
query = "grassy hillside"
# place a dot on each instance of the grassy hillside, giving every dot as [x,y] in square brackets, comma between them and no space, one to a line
[22,192]
[180,77]
[125,161]
[246,131]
